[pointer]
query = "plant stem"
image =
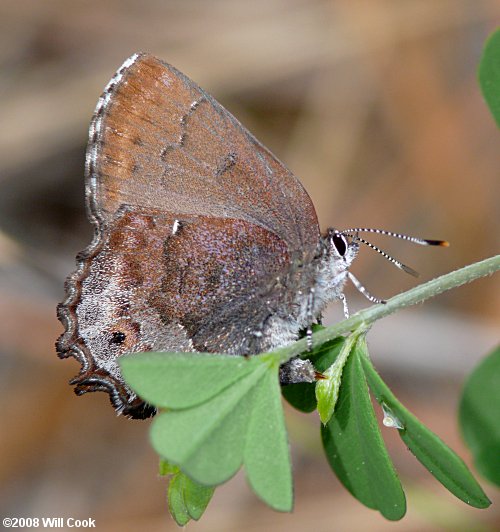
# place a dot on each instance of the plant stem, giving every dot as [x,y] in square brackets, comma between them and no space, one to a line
[364,318]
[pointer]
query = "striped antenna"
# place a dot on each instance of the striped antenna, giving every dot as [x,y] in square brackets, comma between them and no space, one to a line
[415,240]
[394,261]
[353,233]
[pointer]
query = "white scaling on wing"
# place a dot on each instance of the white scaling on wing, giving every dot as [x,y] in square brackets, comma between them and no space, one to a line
[190,340]
[95,130]
[183,120]
[175,227]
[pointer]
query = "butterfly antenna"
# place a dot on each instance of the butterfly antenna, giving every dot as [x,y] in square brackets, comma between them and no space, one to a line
[394,261]
[415,240]
[353,233]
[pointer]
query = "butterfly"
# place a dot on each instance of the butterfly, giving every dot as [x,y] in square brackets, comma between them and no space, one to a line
[204,241]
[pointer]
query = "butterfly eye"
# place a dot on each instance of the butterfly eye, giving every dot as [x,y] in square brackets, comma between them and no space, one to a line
[118,337]
[340,243]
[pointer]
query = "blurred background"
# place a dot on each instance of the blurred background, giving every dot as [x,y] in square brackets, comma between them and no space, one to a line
[374,104]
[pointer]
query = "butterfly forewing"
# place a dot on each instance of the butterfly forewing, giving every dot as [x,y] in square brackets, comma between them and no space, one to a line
[160,141]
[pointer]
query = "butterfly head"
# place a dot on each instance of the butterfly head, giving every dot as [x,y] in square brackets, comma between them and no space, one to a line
[338,252]
[340,248]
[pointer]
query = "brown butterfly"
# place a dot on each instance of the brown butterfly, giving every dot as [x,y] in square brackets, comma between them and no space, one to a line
[204,241]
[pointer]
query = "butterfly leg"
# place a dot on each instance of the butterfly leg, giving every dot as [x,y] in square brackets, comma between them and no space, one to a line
[344,303]
[310,317]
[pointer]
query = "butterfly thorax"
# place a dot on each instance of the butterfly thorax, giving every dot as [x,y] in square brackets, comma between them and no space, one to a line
[310,286]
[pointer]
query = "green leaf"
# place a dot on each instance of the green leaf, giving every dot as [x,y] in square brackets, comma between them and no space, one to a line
[327,390]
[175,496]
[489,74]
[325,355]
[479,416]
[207,441]
[165,468]
[196,497]
[239,422]
[435,455]
[181,380]
[355,449]
[187,499]
[266,455]
[302,396]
